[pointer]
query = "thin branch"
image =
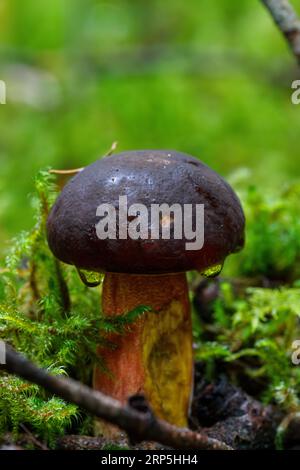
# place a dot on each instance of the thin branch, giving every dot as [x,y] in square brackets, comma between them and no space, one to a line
[288,22]
[33,439]
[74,171]
[64,291]
[139,426]
[112,149]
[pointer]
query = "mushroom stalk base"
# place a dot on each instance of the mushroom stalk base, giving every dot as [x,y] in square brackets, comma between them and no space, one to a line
[154,356]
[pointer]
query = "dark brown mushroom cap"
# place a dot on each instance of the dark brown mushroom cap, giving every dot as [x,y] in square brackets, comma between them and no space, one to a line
[146,177]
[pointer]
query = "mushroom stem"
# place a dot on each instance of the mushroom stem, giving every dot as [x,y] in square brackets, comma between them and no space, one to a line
[154,356]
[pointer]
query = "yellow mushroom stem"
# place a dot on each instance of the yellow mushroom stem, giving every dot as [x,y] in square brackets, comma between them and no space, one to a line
[154,355]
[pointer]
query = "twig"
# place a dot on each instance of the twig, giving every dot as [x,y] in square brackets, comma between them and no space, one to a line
[32,282]
[289,431]
[287,21]
[112,149]
[33,439]
[137,425]
[66,172]
[74,171]
[64,291]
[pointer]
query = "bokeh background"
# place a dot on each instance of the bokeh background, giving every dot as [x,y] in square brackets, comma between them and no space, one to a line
[205,77]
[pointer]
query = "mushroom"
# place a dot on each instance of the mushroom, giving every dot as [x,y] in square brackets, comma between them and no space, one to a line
[154,356]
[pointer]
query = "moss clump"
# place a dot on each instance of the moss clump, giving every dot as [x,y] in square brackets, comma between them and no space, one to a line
[48,314]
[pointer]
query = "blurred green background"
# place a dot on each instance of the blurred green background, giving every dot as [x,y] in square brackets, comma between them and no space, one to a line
[205,77]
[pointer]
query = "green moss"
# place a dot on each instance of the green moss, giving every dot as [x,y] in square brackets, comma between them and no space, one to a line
[273,234]
[256,315]
[48,314]
[256,331]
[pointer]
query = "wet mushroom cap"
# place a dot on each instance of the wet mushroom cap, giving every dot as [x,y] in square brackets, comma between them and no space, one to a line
[145,177]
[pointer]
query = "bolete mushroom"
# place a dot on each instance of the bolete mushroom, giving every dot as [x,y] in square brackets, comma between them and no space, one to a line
[155,355]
